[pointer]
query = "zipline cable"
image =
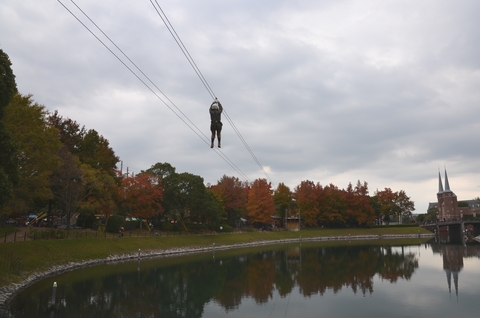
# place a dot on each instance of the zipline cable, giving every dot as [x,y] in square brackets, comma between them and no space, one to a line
[182,47]
[185,52]
[205,140]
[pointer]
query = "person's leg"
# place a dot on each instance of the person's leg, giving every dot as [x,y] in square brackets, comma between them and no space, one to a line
[212,129]
[219,136]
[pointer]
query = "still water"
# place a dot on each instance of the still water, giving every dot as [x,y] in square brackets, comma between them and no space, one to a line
[353,279]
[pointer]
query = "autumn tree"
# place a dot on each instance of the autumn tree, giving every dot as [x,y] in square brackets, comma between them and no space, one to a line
[260,204]
[359,208]
[333,206]
[233,197]
[306,198]
[141,196]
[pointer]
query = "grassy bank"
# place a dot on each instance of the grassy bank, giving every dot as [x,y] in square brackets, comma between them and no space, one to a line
[19,260]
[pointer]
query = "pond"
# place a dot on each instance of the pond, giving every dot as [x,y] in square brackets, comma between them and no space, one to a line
[329,279]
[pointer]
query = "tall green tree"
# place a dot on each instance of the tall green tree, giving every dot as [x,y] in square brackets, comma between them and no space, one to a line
[282,197]
[37,149]
[68,186]
[162,170]
[95,151]
[405,206]
[8,161]
[70,132]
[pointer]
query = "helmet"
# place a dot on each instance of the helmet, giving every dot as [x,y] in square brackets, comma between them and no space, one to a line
[215,106]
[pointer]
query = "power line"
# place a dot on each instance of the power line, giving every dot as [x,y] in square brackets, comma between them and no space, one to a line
[199,133]
[177,39]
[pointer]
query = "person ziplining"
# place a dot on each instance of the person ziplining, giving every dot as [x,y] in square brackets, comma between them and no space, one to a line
[216,110]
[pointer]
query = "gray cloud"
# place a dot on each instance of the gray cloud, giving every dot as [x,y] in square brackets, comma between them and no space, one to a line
[330,91]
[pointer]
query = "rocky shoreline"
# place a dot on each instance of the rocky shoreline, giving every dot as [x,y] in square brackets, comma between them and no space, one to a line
[8,292]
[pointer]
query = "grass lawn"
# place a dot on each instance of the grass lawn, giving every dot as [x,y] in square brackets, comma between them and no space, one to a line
[19,260]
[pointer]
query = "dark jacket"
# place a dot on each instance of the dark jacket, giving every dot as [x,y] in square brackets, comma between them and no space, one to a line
[216,115]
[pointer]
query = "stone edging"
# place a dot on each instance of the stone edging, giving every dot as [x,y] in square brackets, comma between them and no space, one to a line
[8,292]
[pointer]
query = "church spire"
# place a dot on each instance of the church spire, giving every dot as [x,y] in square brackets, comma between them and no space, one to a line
[440,186]
[447,186]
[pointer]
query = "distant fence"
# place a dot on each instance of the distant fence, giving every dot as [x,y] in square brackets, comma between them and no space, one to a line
[56,234]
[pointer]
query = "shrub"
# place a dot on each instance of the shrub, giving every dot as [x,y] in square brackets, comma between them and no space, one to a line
[114,223]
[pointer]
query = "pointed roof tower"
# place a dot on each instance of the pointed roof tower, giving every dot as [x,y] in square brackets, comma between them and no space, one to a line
[447,186]
[440,185]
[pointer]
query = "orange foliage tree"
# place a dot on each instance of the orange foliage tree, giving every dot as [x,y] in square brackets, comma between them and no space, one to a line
[333,206]
[141,195]
[306,196]
[359,209]
[260,202]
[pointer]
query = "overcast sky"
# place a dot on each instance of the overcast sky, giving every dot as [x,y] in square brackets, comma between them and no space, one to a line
[333,91]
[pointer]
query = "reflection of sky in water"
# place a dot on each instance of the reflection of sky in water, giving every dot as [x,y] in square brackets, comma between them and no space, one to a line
[426,294]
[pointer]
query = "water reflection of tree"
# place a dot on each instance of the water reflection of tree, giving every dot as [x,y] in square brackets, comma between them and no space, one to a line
[336,268]
[397,265]
[183,290]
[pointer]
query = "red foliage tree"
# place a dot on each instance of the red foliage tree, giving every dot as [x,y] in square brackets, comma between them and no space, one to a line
[232,194]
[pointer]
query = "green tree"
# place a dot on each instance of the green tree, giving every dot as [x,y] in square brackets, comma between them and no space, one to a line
[70,132]
[282,198]
[95,151]
[162,170]
[100,190]
[185,197]
[8,161]
[386,200]
[37,149]
[376,209]
[67,185]
[405,206]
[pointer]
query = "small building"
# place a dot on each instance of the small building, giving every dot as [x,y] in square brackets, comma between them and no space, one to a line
[292,223]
